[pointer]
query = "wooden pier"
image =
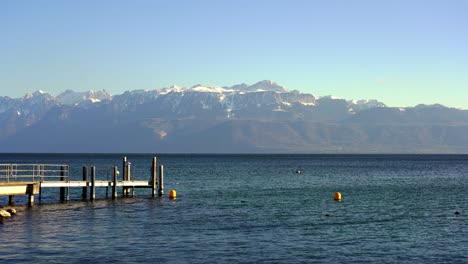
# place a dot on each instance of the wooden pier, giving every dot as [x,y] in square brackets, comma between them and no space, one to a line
[30,179]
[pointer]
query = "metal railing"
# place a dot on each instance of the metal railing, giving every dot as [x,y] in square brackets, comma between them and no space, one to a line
[33,172]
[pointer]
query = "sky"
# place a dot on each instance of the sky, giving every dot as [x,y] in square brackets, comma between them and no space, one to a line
[402,53]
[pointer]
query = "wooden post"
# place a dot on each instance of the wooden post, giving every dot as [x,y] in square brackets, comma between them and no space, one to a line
[161,180]
[30,199]
[92,192]
[62,178]
[126,189]
[40,191]
[30,192]
[130,190]
[114,183]
[124,175]
[68,179]
[153,177]
[124,168]
[84,193]
[11,200]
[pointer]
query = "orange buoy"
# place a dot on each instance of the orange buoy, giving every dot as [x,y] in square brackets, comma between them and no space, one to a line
[337,196]
[172,194]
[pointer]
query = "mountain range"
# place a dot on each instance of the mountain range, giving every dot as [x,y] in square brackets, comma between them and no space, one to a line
[261,118]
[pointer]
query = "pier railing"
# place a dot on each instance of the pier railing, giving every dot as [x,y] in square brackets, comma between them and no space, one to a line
[33,172]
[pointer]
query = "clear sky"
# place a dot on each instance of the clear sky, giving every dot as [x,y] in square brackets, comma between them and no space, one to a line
[400,52]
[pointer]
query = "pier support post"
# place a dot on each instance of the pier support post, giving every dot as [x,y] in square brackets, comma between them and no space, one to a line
[30,199]
[126,190]
[84,193]
[62,178]
[114,183]
[92,191]
[154,181]
[30,191]
[40,191]
[130,190]
[11,200]
[161,180]
[124,175]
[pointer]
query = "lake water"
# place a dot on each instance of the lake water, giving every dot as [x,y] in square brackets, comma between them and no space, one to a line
[253,209]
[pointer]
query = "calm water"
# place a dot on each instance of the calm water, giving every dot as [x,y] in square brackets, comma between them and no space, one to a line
[251,209]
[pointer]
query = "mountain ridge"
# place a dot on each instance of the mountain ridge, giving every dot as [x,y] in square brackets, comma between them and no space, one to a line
[261,118]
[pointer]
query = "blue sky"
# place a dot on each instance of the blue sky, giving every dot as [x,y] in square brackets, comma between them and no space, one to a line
[400,52]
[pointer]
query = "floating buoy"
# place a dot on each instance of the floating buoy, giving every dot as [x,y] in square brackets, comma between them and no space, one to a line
[172,194]
[337,196]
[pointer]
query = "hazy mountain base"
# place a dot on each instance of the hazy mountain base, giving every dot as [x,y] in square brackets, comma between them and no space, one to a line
[238,136]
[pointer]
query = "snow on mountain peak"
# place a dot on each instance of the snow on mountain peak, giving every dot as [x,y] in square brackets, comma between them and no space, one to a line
[266,85]
[195,88]
[34,94]
[70,97]
[368,103]
[172,88]
[207,89]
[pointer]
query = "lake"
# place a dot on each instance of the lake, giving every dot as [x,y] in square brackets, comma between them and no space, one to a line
[252,209]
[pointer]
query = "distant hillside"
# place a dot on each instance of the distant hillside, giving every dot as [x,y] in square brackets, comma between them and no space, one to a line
[261,118]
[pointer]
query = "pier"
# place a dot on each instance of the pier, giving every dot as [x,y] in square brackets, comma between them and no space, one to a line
[30,179]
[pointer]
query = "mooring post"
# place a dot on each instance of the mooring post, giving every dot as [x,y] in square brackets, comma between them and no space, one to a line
[161,180]
[62,178]
[153,177]
[124,168]
[84,193]
[11,200]
[30,192]
[125,189]
[130,190]
[30,199]
[92,192]
[114,183]
[124,175]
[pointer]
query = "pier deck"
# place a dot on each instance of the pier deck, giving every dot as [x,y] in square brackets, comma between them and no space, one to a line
[29,179]
[68,184]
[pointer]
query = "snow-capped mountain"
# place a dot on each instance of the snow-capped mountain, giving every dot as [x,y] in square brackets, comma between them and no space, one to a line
[70,97]
[265,100]
[266,85]
[262,117]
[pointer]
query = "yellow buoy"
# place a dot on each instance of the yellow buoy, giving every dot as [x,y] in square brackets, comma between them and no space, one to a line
[337,196]
[172,194]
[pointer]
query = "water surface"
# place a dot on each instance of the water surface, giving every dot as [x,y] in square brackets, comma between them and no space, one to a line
[251,209]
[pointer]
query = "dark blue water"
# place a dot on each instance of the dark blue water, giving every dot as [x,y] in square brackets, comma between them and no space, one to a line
[251,209]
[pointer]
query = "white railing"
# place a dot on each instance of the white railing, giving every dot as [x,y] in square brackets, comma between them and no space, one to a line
[33,172]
